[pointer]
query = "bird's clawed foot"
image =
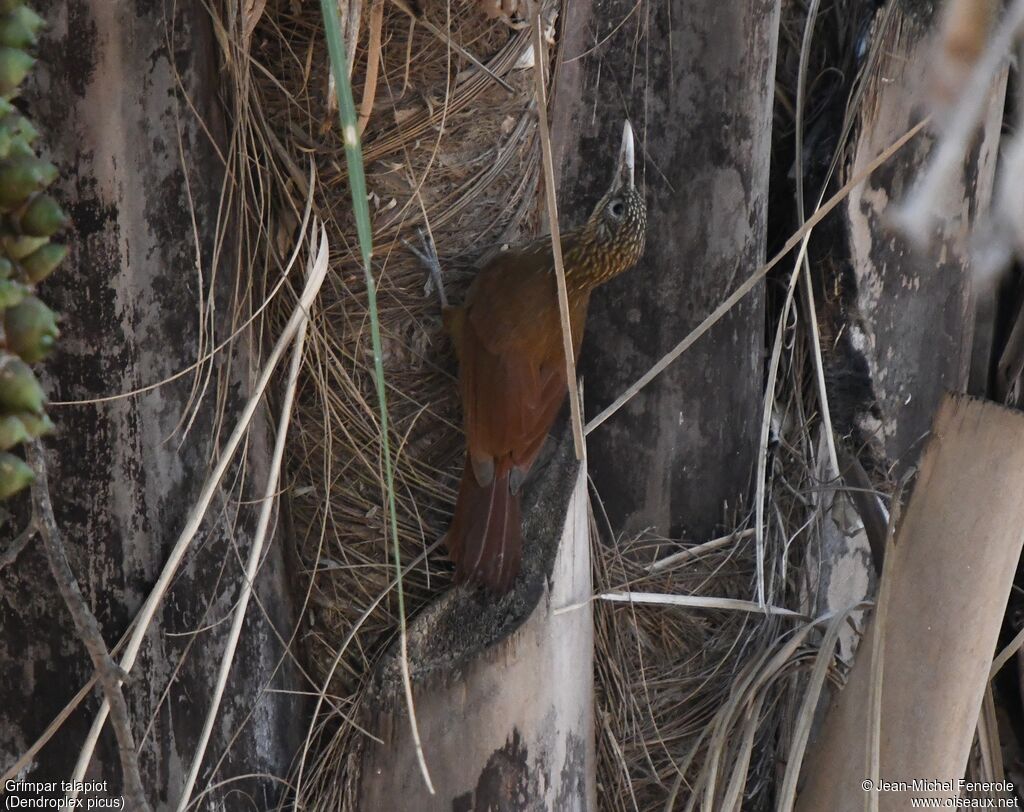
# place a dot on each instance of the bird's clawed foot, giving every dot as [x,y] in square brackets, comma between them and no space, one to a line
[428,256]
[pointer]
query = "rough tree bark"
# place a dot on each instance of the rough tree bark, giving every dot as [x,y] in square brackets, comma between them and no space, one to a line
[899,322]
[699,92]
[917,308]
[124,473]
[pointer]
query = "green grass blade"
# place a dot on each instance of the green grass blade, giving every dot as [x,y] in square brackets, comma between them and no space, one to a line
[357,184]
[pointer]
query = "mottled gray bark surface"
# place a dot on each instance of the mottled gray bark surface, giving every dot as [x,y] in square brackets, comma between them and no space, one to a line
[897,323]
[698,87]
[917,308]
[124,473]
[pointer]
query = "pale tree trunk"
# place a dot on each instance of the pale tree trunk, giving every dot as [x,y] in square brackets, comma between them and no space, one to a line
[918,308]
[931,676]
[124,474]
[904,318]
[503,688]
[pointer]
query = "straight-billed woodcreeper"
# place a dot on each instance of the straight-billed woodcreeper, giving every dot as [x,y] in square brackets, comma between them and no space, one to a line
[512,372]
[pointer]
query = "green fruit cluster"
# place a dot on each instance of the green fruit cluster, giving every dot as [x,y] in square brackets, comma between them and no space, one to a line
[29,218]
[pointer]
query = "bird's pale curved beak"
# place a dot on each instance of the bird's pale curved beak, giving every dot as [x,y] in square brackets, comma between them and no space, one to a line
[624,172]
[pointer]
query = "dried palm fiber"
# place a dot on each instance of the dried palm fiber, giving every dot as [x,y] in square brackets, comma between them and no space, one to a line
[446,146]
[680,690]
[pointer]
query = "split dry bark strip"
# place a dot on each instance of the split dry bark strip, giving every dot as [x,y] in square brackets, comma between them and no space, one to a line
[952,570]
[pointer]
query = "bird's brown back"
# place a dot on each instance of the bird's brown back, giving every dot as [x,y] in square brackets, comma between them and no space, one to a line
[512,372]
[511,362]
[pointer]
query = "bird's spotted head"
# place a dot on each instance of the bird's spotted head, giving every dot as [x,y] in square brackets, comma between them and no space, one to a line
[617,227]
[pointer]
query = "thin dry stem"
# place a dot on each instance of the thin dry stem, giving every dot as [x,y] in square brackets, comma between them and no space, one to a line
[539,67]
[107,671]
[318,268]
[11,552]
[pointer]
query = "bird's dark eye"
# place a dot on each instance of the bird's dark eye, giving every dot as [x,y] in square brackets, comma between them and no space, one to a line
[616,208]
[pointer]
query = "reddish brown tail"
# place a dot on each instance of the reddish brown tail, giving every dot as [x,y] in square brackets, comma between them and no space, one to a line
[485,538]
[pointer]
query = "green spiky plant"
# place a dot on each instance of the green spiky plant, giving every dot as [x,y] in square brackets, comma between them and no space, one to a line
[29,218]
